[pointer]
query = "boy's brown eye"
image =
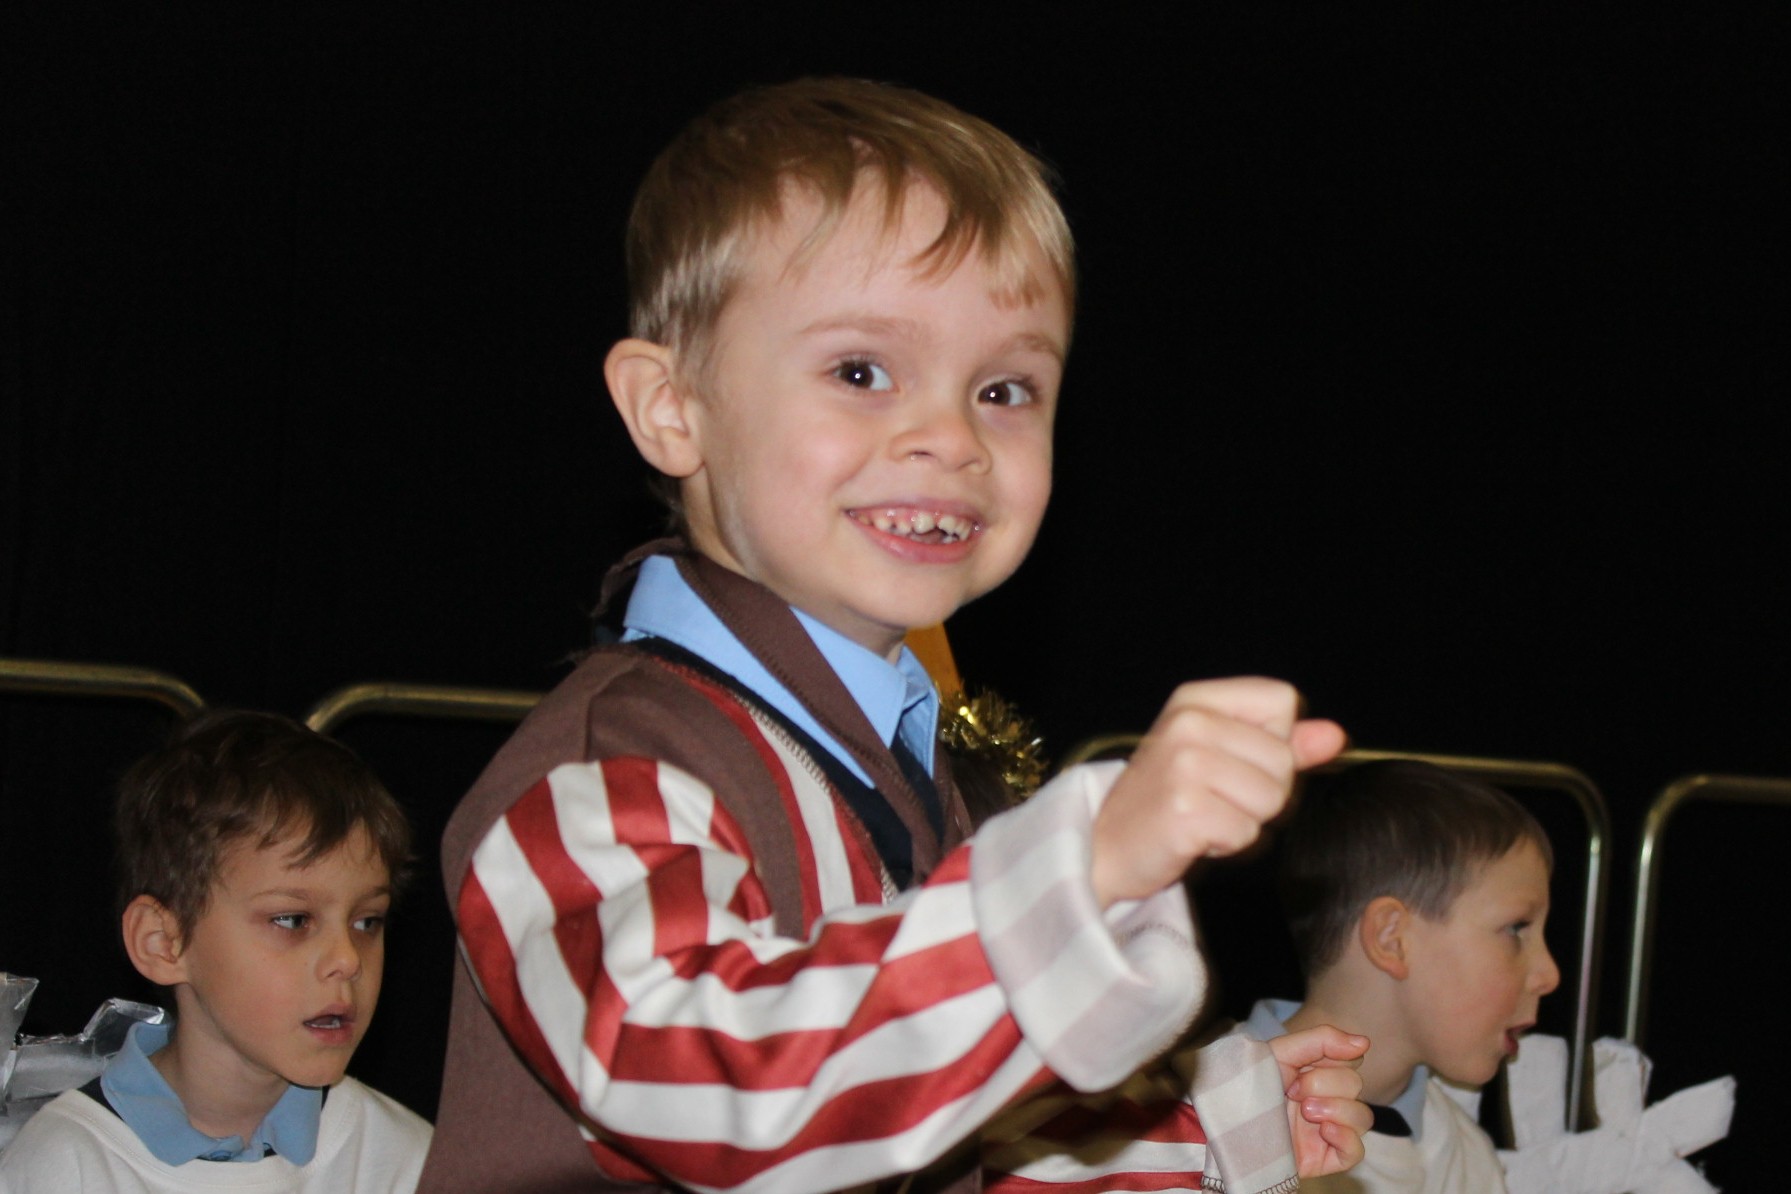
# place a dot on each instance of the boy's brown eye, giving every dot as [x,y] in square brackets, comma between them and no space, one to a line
[1006,393]
[863,375]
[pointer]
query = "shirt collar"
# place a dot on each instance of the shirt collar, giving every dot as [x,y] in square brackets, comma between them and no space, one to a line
[897,697]
[149,1106]
[1410,1102]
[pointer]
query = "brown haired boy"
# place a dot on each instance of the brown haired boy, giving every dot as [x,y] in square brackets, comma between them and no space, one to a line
[257,861]
[1416,899]
[724,921]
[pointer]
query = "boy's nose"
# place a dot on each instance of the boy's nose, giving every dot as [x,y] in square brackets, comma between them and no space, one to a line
[341,957]
[945,433]
[1546,976]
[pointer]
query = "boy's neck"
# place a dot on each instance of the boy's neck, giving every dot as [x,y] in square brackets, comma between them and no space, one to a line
[1388,1067]
[220,1093]
[882,641]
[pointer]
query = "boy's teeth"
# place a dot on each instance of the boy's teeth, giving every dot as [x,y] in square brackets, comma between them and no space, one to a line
[325,1022]
[921,522]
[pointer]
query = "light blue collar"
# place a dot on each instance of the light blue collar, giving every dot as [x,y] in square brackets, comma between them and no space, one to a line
[897,697]
[145,1101]
[1268,1019]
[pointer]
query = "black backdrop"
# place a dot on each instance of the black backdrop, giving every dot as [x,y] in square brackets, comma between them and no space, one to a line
[1425,357]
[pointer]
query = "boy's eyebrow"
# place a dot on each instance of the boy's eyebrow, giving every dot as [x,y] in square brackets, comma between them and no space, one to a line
[855,322]
[307,893]
[1033,342]
[909,329]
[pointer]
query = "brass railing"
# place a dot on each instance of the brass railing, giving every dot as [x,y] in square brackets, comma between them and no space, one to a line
[111,681]
[1728,789]
[105,680]
[420,700]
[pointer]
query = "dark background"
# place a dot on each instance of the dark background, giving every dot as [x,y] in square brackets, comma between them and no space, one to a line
[1425,357]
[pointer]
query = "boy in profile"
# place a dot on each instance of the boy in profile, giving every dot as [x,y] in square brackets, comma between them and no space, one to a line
[257,861]
[724,918]
[1416,899]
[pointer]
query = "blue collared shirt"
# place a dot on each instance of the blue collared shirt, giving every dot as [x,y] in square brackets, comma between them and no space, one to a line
[1268,1019]
[145,1101]
[896,697]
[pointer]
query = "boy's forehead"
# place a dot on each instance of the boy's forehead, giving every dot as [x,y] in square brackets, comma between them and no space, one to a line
[877,230]
[280,852]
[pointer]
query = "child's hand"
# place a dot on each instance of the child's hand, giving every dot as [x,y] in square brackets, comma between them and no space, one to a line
[1325,1111]
[1219,761]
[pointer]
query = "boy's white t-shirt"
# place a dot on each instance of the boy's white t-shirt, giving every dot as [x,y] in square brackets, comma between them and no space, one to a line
[1453,1157]
[1448,1152]
[365,1142]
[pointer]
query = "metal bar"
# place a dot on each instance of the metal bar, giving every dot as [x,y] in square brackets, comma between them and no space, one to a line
[1728,789]
[1101,746]
[62,678]
[421,700]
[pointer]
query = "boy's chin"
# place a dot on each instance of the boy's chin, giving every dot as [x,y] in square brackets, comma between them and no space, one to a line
[1474,1076]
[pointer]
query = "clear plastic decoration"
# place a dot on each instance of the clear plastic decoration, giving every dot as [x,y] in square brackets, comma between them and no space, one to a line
[15,997]
[39,1068]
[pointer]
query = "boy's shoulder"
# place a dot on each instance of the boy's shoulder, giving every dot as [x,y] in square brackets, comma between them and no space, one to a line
[560,728]
[621,701]
[75,1142]
[620,698]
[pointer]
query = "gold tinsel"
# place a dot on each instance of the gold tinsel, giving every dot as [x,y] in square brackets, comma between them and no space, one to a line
[987,727]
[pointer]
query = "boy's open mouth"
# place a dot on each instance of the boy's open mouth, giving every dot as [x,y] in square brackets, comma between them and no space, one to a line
[923,526]
[328,1022]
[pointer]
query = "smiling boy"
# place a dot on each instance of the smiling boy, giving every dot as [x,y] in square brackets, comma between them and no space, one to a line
[827,447]
[1417,899]
[257,862]
[725,921]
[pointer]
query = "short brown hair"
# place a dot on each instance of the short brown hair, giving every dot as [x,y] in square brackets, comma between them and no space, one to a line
[728,171]
[1397,827]
[231,776]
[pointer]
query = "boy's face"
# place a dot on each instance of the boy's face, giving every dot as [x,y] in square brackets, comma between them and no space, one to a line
[282,971]
[875,443]
[1478,974]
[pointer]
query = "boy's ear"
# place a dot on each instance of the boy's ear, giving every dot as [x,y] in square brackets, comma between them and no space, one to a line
[1383,931]
[152,939]
[643,384]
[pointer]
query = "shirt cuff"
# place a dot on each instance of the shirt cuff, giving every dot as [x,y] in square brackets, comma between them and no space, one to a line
[1243,1110]
[1096,996]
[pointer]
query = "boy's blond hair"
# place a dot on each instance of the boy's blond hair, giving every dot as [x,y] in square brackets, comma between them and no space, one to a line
[726,176]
